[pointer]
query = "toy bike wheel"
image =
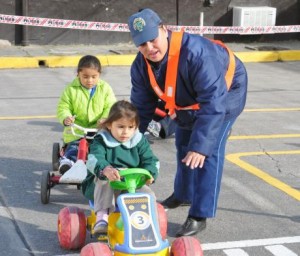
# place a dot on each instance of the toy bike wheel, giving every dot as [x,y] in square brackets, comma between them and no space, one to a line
[71,228]
[45,187]
[94,249]
[186,246]
[55,156]
[162,220]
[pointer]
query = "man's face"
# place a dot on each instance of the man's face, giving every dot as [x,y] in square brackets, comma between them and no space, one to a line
[156,49]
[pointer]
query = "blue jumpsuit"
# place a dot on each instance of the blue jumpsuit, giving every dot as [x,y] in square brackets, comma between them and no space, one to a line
[200,79]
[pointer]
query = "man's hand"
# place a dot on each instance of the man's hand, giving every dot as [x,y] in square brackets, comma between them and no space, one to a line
[194,160]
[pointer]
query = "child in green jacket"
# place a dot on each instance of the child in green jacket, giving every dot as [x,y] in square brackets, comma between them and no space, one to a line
[118,145]
[85,101]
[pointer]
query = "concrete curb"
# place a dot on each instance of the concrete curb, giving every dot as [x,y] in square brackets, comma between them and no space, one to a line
[126,60]
[269,56]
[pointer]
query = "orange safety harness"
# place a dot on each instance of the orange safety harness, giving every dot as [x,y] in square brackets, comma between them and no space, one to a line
[171,75]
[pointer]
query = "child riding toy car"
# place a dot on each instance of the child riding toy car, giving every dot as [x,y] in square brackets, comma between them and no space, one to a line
[138,227]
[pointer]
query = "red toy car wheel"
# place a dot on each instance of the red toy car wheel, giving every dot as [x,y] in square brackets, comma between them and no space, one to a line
[186,246]
[94,249]
[71,228]
[162,220]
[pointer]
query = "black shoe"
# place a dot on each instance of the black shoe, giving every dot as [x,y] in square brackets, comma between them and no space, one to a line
[191,227]
[171,202]
[63,168]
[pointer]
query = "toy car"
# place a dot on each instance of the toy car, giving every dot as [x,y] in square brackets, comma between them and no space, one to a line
[76,173]
[137,228]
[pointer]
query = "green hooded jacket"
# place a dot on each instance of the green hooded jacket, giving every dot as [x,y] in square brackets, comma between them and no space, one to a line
[106,150]
[76,101]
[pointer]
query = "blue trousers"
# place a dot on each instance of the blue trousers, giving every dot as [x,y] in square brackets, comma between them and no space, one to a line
[71,150]
[200,186]
[168,127]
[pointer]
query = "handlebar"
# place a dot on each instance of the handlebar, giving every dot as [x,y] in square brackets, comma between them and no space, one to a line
[85,131]
[133,178]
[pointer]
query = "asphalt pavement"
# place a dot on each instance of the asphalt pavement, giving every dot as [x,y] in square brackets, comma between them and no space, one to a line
[264,144]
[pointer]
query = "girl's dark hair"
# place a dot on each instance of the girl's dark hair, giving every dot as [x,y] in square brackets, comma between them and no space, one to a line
[121,109]
[89,61]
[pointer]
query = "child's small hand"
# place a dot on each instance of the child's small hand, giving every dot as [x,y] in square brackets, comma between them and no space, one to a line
[111,173]
[149,181]
[100,121]
[69,120]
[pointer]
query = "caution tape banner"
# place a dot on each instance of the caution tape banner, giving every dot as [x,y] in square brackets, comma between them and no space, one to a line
[121,27]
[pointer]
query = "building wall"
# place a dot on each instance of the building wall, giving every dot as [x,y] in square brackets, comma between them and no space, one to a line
[173,12]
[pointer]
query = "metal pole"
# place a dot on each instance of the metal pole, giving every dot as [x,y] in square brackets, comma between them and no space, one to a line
[177,12]
[201,21]
[25,41]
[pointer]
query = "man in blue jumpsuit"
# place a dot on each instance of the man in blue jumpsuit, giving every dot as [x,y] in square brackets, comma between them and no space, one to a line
[201,131]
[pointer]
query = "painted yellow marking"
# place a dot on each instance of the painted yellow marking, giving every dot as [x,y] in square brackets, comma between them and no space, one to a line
[235,158]
[126,60]
[269,56]
[62,61]
[261,136]
[246,110]
[271,109]
[24,117]
[261,56]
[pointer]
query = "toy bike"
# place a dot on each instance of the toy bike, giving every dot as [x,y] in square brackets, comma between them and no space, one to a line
[139,227]
[76,174]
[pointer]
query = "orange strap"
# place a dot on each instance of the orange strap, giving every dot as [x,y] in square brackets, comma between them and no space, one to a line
[231,65]
[168,96]
[160,112]
[171,74]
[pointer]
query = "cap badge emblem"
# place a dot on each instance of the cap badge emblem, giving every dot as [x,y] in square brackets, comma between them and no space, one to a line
[139,24]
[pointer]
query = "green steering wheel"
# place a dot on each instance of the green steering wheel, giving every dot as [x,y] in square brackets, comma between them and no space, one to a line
[133,178]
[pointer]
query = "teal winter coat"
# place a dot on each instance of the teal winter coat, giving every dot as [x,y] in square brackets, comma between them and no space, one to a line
[107,151]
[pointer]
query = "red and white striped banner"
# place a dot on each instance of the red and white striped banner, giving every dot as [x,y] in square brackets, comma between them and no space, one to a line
[121,27]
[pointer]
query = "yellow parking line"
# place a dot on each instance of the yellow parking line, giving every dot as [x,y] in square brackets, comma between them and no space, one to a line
[235,158]
[271,109]
[246,110]
[261,136]
[24,117]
